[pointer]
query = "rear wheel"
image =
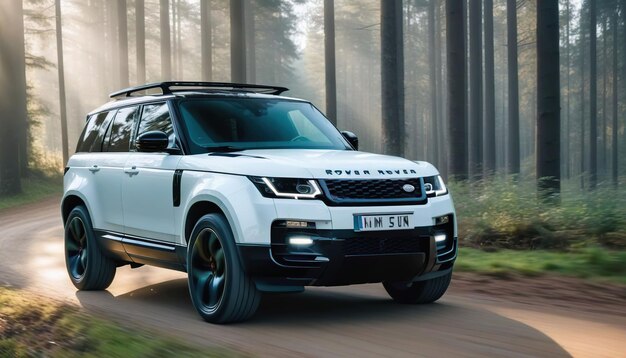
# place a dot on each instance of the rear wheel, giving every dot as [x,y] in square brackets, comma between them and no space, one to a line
[427,291]
[87,266]
[219,288]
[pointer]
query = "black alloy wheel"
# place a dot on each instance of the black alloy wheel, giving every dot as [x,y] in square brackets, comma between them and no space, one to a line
[219,287]
[208,270]
[87,265]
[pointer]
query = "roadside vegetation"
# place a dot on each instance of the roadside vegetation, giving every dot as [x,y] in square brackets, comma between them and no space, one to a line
[37,186]
[504,228]
[597,264]
[501,213]
[37,327]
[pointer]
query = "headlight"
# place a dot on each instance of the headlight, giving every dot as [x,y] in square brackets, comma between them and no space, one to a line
[434,186]
[287,187]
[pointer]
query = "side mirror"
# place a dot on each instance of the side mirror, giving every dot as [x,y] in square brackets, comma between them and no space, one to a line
[153,141]
[351,138]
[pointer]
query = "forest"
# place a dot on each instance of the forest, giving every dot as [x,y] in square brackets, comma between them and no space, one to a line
[526,93]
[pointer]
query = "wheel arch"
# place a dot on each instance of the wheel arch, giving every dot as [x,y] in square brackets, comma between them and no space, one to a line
[70,201]
[200,208]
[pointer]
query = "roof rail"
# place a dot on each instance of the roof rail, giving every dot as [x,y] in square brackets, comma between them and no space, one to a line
[168,88]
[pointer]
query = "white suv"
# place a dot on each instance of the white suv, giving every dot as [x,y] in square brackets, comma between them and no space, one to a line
[248,192]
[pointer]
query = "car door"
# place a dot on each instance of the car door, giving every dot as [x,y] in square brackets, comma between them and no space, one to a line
[109,170]
[147,185]
[87,164]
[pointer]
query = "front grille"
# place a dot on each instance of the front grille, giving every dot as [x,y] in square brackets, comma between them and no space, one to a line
[372,190]
[378,246]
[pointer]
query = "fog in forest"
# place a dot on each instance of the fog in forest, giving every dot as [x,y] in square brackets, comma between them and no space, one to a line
[112,44]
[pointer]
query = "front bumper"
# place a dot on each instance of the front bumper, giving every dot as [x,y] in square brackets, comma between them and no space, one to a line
[343,257]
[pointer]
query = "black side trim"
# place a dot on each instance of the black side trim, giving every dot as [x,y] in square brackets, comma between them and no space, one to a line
[139,250]
[178,174]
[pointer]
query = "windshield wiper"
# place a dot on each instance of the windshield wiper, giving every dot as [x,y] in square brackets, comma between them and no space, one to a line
[224,148]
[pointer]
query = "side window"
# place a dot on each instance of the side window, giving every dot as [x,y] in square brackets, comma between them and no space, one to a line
[156,117]
[91,138]
[120,132]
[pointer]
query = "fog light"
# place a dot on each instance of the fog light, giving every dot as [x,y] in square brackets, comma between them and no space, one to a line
[442,220]
[300,240]
[290,223]
[440,237]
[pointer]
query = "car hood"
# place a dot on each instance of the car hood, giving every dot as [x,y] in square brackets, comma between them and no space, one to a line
[308,163]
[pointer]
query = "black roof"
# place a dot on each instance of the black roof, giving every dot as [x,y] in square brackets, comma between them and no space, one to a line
[179,86]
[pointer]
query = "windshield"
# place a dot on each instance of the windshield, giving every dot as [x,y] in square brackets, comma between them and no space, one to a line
[229,124]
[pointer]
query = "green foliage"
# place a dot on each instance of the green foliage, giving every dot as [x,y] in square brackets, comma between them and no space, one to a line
[40,327]
[36,187]
[593,263]
[503,213]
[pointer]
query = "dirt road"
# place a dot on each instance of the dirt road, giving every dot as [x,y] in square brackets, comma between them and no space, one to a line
[355,321]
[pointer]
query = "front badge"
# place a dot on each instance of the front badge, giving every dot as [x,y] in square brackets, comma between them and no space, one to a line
[408,188]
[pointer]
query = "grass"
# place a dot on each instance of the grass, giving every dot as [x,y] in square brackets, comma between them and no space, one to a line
[33,326]
[595,263]
[34,188]
[503,213]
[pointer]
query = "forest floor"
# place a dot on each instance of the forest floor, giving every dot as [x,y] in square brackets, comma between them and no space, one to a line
[35,326]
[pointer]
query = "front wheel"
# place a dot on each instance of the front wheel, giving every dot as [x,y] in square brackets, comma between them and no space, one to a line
[219,288]
[427,291]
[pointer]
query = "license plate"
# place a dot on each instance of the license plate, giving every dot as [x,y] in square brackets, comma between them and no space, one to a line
[403,221]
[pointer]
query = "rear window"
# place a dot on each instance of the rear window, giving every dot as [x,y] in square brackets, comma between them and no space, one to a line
[120,132]
[93,134]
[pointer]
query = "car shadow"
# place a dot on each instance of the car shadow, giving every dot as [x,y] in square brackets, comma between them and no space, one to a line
[322,316]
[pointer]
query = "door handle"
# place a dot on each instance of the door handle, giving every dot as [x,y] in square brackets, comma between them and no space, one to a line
[94,169]
[131,171]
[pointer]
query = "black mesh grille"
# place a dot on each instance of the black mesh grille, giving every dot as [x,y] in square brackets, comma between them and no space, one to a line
[375,245]
[372,189]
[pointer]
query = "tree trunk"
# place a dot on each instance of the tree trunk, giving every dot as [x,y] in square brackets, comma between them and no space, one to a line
[174,36]
[440,125]
[140,30]
[455,57]
[179,43]
[166,49]
[593,98]
[237,42]
[434,115]
[490,103]
[603,126]
[548,104]
[13,115]
[476,90]
[329,60]
[614,165]
[113,45]
[583,153]
[250,41]
[61,74]
[122,31]
[513,150]
[567,105]
[206,40]
[392,77]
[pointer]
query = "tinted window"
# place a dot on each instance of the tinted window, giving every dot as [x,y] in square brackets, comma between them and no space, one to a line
[254,123]
[121,130]
[156,117]
[91,138]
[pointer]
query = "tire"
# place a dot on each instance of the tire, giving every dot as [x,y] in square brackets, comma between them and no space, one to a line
[219,288]
[89,269]
[418,292]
